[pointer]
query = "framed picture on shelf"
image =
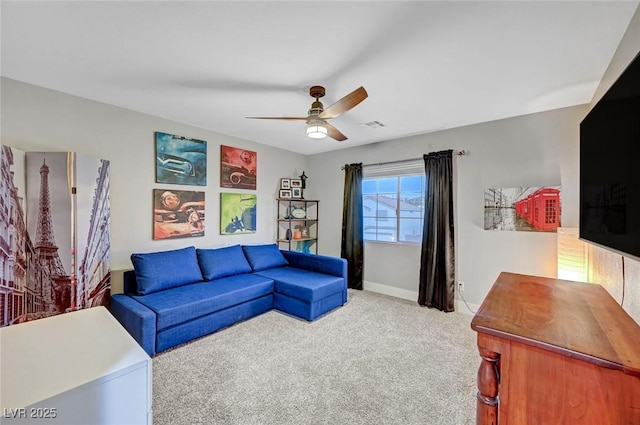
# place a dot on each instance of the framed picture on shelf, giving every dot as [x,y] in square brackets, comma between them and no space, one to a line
[296,192]
[285,183]
[296,183]
[285,193]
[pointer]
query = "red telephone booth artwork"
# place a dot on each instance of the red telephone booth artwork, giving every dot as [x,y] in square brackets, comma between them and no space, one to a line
[546,209]
[524,208]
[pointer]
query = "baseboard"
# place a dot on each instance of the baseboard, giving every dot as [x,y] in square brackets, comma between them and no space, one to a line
[461,307]
[406,294]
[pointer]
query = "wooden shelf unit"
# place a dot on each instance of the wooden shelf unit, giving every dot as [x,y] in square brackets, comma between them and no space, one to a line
[286,221]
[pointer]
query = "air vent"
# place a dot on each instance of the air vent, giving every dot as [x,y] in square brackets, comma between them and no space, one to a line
[374,124]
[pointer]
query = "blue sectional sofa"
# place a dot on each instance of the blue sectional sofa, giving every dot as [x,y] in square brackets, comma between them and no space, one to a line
[171,297]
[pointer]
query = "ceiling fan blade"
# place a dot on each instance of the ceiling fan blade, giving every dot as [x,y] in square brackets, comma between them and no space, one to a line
[344,104]
[279,118]
[334,133]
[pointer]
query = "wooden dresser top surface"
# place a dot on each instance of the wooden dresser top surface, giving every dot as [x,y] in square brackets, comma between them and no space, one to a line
[576,319]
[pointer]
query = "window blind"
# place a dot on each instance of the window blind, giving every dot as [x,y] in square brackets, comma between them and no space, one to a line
[414,166]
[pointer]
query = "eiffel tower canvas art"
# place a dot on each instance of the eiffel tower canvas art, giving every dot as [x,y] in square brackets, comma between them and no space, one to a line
[57,280]
[54,234]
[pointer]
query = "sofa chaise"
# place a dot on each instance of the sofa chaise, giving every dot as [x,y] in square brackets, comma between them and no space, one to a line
[172,297]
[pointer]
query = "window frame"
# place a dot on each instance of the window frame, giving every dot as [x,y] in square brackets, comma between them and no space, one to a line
[398,215]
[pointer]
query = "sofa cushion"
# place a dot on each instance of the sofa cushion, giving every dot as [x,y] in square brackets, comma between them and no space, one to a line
[303,284]
[188,302]
[263,257]
[156,271]
[222,262]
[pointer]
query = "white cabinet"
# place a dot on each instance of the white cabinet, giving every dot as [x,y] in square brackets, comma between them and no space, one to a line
[76,368]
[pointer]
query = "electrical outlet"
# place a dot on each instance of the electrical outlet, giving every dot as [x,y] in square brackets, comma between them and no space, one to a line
[460,286]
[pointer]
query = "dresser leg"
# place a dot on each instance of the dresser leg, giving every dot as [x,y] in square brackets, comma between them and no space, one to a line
[488,380]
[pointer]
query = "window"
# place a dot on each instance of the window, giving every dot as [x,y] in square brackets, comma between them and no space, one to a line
[393,208]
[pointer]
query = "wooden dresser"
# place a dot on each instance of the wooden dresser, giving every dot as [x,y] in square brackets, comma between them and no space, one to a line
[556,352]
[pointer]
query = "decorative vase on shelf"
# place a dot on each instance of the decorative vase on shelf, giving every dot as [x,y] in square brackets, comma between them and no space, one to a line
[287,235]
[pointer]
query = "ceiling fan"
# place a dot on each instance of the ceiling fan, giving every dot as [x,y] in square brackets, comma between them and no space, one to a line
[317,125]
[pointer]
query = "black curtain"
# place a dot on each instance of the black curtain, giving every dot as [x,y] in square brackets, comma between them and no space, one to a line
[352,225]
[437,271]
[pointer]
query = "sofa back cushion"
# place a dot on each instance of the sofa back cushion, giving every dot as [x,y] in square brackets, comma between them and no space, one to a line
[156,271]
[262,257]
[222,262]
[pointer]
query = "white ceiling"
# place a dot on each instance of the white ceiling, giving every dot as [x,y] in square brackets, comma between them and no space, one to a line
[427,65]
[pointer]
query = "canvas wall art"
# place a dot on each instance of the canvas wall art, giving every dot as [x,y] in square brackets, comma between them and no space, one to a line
[238,168]
[180,160]
[55,234]
[237,213]
[92,257]
[178,214]
[534,209]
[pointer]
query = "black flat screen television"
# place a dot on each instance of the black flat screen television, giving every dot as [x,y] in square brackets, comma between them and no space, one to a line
[610,167]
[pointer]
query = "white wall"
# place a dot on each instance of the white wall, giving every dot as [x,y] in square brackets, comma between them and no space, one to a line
[539,149]
[533,150]
[37,119]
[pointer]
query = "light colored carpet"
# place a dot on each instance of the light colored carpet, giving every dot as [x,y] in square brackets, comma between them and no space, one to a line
[376,360]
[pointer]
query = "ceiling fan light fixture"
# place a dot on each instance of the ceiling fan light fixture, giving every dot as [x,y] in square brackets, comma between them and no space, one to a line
[318,117]
[316,130]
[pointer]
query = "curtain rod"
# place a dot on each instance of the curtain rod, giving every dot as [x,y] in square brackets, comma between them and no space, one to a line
[458,153]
